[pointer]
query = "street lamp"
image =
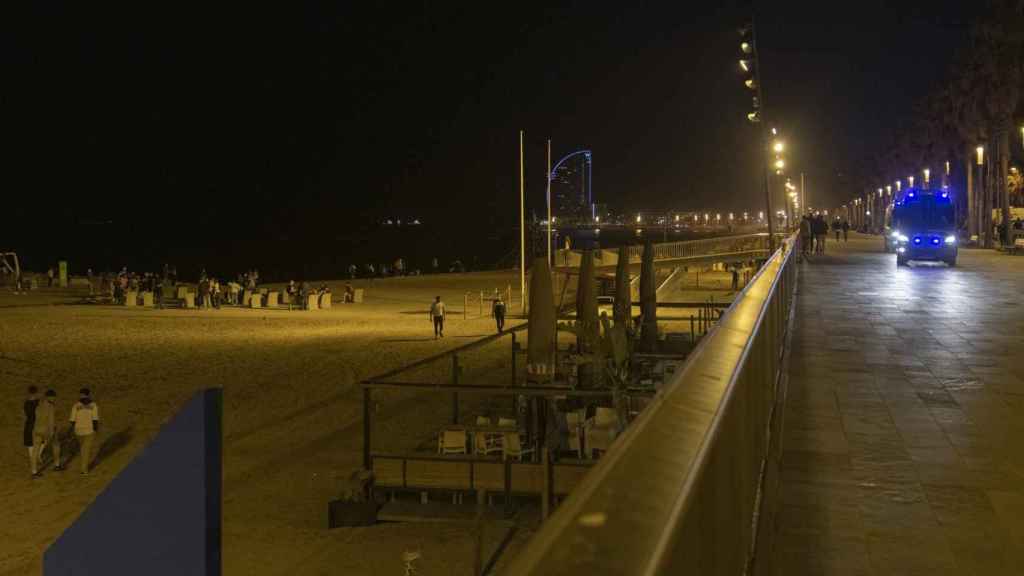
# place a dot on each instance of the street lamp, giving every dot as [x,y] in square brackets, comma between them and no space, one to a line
[778,147]
[911,180]
[927,177]
[899,185]
[780,164]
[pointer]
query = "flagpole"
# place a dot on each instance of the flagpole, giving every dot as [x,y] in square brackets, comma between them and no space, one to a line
[522,229]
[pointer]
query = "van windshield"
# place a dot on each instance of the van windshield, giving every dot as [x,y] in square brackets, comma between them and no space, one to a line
[926,214]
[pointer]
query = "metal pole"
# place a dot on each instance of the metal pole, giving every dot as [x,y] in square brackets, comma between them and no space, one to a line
[549,202]
[455,395]
[522,229]
[366,428]
[803,194]
[769,213]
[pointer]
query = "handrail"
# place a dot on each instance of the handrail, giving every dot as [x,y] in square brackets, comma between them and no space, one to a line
[700,248]
[679,492]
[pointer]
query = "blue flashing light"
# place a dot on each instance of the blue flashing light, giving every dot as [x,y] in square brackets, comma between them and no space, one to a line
[910,194]
[917,240]
[935,241]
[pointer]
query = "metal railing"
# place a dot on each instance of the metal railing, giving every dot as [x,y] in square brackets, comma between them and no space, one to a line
[689,249]
[680,492]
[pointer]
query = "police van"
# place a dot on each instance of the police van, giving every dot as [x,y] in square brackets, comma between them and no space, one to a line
[924,227]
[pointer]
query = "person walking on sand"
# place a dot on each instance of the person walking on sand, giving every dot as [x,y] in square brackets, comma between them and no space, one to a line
[30,424]
[45,432]
[437,317]
[499,313]
[85,423]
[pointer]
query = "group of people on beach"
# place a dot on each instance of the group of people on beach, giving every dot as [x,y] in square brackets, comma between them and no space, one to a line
[399,268]
[41,428]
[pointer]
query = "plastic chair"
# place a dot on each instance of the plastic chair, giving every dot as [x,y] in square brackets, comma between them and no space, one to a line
[512,447]
[452,442]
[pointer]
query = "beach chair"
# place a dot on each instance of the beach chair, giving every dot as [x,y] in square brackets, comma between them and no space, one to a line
[272,299]
[451,442]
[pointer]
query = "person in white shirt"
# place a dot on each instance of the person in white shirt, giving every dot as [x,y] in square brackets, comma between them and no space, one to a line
[85,423]
[437,317]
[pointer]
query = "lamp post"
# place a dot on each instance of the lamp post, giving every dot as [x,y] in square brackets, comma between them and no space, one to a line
[750,65]
[982,201]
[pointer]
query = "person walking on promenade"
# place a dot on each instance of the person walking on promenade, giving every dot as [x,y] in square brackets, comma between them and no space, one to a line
[837,227]
[49,276]
[30,424]
[735,279]
[820,229]
[499,313]
[85,423]
[806,240]
[846,231]
[45,432]
[437,317]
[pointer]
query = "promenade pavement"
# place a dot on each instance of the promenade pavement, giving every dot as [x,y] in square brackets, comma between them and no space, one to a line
[904,422]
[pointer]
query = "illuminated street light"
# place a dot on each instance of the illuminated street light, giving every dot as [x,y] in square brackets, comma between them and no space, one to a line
[754,116]
[980,151]
[746,47]
[947,167]
[888,190]
[780,164]
[746,65]
[927,176]
[750,83]
[637,218]
[911,180]
[879,192]
[899,185]
[778,146]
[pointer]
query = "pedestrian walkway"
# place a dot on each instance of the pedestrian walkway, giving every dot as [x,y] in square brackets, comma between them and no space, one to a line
[904,422]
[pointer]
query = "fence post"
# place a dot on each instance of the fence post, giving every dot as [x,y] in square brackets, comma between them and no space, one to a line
[545,505]
[455,395]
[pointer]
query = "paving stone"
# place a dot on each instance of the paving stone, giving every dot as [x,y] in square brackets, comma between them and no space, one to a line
[904,422]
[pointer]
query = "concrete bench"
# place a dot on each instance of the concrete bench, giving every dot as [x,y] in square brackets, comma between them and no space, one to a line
[182,291]
[255,300]
[272,299]
[147,299]
[189,300]
[311,301]
[131,298]
[325,300]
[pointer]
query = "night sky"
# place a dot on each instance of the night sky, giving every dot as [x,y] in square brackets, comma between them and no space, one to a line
[197,134]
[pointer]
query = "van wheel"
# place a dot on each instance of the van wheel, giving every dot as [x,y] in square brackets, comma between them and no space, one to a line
[951,262]
[901,260]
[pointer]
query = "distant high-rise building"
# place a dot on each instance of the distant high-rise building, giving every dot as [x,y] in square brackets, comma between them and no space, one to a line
[570,190]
